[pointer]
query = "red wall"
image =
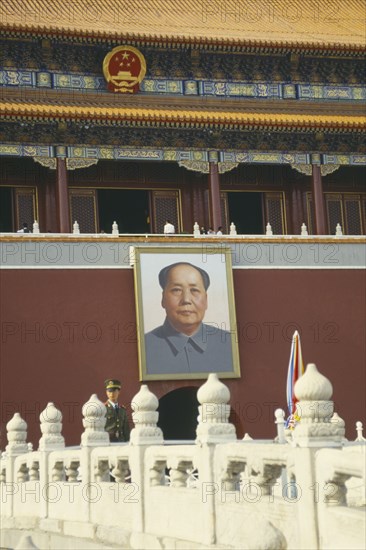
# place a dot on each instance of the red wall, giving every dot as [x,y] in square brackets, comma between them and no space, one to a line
[65,331]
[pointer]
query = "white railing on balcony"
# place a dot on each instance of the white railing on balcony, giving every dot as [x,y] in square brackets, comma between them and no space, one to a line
[304,489]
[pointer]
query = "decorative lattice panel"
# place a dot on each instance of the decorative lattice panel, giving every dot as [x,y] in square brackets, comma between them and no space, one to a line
[25,207]
[83,209]
[352,210]
[334,212]
[275,212]
[165,207]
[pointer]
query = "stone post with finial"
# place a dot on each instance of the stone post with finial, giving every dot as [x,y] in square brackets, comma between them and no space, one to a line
[315,409]
[76,228]
[213,427]
[115,230]
[233,229]
[17,445]
[35,228]
[339,231]
[196,230]
[269,231]
[359,431]
[51,440]
[144,433]
[314,430]
[304,230]
[94,435]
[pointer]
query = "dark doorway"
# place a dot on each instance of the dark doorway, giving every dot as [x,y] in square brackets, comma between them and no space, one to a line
[6,224]
[178,412]
[128,207]
[246,211]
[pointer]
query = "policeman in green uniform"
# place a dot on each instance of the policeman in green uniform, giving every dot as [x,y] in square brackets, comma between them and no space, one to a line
[117,423]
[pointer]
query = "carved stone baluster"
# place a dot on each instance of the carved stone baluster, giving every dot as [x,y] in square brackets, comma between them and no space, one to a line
[22,474]
[101,470]
[58,471]
[335,490]
[34,471]
[157,473]
[265,476]
[179,472]
[230,480]
[72,471]
[120,471]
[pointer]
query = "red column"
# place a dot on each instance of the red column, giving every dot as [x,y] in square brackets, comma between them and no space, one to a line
[62,197]
[318,200]
[214,196]
[297,210]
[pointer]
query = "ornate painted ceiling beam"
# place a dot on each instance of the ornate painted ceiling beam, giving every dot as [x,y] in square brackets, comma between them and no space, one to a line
[193,159]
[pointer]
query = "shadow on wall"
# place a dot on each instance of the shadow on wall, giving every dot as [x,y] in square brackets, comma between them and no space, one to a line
[178,412]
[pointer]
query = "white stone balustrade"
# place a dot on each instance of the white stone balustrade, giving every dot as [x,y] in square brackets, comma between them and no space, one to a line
[218,492]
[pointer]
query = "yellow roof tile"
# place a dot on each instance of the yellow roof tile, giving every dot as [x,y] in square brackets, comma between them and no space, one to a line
[300,22]
[179,116]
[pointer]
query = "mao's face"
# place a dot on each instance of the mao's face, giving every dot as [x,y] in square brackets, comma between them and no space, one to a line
[185,299]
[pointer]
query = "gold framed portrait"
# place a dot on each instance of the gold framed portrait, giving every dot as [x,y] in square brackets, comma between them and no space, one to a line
[186,322]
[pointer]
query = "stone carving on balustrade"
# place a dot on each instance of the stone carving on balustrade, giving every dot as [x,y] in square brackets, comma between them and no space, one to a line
[120,470]
[101,470]
[51,427]
[3,475]
[17,436]
[231,475]
[145,417]
[264,475]
[157,473]
[58,471]
[214,410]
[94,420]
[72,470]
[22,473]
[179,471]
[315,409]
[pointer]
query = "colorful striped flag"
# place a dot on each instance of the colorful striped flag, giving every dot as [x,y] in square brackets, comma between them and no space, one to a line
[295,370]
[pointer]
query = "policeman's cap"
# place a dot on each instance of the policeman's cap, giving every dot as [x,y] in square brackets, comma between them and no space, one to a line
[163,275]
[111,384]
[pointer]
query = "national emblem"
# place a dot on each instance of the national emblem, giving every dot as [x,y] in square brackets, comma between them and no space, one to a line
[124,69]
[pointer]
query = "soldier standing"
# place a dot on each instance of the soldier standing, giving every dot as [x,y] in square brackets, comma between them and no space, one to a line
[117,423]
